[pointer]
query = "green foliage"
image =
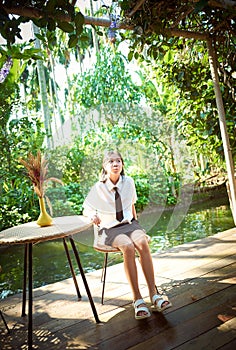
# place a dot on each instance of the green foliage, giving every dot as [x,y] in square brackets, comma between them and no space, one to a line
[16,194]
[182,66]
[107,82]
[60,202]
[18,52]
[12,216]
[75,196]
[66,200]
[52,14]
[17,200]
[142,185]
[67,163]
[182,88]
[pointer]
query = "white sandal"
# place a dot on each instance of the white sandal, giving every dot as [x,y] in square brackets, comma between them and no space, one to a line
[158,301]
[137,309]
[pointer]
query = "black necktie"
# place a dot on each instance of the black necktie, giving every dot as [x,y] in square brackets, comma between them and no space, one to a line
[119,210]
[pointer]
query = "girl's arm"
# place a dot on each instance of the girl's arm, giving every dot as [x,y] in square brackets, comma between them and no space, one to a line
[134,212]
[92,214]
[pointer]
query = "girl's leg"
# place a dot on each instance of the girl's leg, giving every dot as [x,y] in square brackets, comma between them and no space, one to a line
[141,244]
[127,248]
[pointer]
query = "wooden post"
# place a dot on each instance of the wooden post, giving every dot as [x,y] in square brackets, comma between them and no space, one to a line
[223,129]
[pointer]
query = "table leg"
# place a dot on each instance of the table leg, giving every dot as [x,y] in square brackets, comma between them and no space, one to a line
[30,301]
[28,264]
[84,279]
[24,281]
[4,321]
[71,269]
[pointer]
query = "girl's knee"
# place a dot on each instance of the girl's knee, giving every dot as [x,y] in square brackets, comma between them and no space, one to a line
[142,245]
[128,248]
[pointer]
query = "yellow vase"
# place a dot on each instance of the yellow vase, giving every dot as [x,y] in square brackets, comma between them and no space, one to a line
[44,218]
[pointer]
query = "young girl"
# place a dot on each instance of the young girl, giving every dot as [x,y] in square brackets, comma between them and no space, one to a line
[111,206]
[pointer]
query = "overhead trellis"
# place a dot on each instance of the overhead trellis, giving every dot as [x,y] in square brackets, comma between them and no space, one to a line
[213,21]
[190,19]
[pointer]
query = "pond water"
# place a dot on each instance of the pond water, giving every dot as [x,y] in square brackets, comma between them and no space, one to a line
[50,263]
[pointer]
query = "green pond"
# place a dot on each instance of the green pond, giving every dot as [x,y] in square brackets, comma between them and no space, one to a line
[50,263]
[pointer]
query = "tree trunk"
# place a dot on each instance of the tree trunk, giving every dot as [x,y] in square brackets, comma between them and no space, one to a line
[43,92]
[54,97]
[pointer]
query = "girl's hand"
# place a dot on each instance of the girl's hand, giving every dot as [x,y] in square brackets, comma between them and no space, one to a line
[96,220]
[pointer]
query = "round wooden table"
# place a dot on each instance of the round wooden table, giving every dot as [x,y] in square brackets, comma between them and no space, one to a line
[63,227]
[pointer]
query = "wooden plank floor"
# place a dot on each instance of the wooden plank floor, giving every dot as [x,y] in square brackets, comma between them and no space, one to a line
[199,278]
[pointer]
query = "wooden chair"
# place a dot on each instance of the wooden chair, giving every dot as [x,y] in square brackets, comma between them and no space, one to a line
[1,314]
[100,247]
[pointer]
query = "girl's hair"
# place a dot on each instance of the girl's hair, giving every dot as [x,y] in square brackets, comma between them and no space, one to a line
[106,158]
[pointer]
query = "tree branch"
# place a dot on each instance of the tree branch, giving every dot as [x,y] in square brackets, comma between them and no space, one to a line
[29,12]
[103,22]
[223,4]
[187,34]
[32,12]
[136,7]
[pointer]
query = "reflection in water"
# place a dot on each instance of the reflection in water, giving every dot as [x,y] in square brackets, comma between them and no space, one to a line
[50,263]
[197,224]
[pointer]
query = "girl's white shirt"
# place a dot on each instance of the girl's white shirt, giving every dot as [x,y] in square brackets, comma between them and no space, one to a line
[100,201]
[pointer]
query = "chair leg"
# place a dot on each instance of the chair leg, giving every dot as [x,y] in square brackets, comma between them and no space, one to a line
[103,267]
[104,271]
[4,321]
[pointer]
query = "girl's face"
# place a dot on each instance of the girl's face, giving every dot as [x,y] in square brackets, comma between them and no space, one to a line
[113,165]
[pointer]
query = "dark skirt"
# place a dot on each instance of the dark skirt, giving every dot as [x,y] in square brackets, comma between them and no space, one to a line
[124,229]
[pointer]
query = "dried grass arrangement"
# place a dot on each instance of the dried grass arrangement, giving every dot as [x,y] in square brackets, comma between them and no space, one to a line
[37,171]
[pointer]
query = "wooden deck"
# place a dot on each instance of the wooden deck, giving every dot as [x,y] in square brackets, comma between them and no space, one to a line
[199,278]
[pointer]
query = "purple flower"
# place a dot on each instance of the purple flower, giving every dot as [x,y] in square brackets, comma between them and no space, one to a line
[4,71]
[111,31]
